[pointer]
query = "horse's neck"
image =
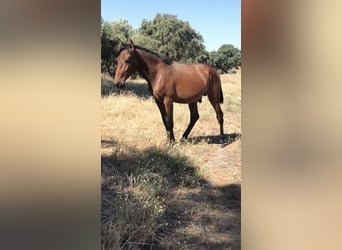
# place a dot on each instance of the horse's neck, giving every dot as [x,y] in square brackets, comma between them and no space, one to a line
[147,66]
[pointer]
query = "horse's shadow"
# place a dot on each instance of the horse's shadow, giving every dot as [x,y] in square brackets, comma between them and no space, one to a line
[130,87]
[216,139]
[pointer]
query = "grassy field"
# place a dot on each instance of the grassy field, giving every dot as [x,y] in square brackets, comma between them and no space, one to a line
[159,197]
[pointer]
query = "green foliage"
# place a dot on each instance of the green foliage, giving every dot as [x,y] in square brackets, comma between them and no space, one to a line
[146,42]
[118,29]
[167,35]
[111,34]
[108,53]
[175,38]
[227,57]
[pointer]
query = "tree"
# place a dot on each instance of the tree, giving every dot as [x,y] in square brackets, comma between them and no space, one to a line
[118,29]
[227,57]
[174,37]
[111,34]
[166,35]
[146,42]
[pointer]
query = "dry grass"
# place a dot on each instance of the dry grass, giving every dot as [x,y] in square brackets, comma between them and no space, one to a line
[156,197]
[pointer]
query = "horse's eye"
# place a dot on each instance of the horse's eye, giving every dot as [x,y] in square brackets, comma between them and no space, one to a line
[127,61]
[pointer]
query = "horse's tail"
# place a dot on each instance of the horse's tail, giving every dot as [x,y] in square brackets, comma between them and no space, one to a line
[215,85]
[220,83]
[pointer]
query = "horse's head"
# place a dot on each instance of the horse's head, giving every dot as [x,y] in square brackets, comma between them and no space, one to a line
[126,64]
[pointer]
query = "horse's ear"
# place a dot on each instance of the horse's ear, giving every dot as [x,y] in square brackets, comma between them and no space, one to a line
[131,44]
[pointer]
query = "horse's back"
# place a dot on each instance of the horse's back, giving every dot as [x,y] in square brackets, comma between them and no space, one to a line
[191,71]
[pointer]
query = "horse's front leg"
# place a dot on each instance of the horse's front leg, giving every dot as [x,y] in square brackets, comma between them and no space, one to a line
[168,104]
[166,110]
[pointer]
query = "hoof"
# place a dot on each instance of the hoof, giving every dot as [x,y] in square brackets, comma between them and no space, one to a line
[223,141]
[183,140]
[171,143]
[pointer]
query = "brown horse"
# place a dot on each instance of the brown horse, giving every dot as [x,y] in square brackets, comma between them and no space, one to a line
[170,82]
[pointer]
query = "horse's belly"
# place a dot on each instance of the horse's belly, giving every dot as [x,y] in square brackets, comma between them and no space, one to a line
[188,97]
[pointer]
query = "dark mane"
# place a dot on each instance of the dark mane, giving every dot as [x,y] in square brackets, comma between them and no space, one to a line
[165,59]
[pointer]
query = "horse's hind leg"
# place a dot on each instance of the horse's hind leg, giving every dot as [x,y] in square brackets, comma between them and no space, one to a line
[193,119]
[215,102]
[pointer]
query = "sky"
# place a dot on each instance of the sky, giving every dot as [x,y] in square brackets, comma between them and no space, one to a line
[219,22]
